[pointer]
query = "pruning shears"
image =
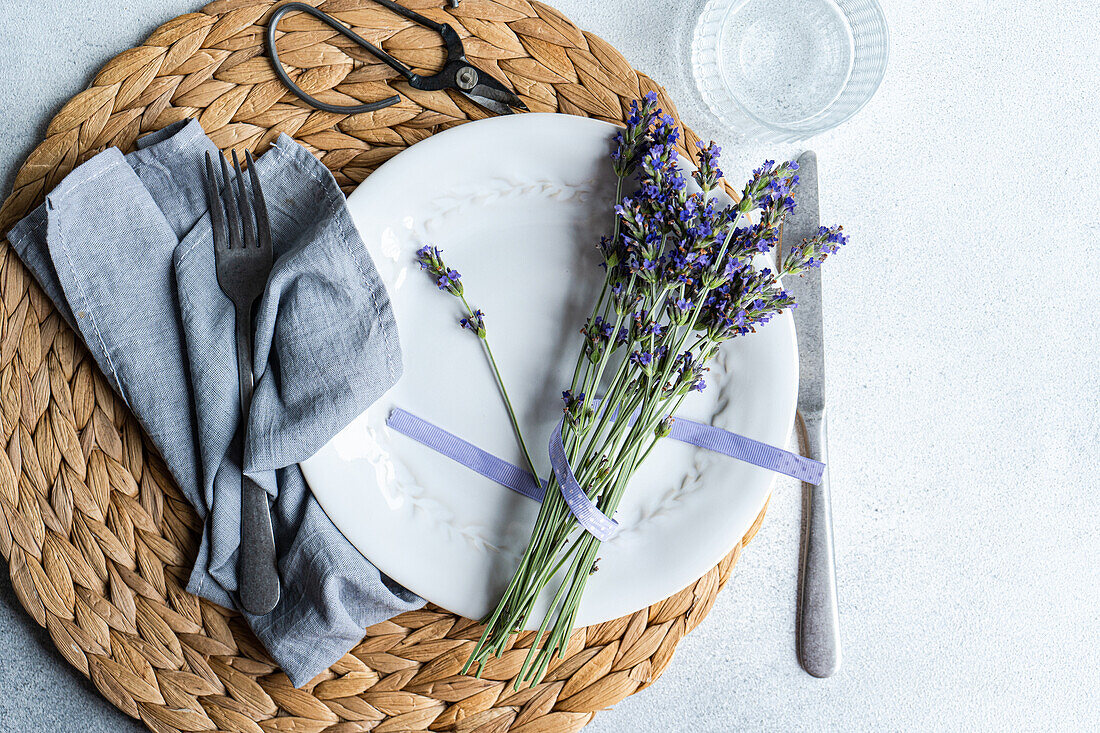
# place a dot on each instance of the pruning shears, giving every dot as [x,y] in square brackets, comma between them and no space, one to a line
[457,73]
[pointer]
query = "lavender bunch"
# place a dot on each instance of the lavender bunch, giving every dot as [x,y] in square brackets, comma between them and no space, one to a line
[680,279]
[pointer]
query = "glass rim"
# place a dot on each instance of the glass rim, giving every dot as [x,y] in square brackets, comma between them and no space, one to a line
[813,124]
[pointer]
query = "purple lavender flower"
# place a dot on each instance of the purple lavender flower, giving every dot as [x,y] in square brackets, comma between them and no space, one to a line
[679,309]
[571,400]
[625,300]
[597,337]
[451,281]
[751,297]
[708,173]
[644,326]
[575,411]
[630,143]
[474,322]
[431,260]
[764,188]
[812,251]
[429,257]
[688,372]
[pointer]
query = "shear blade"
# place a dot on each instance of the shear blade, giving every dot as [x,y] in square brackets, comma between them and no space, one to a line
[498,100]
[490,104]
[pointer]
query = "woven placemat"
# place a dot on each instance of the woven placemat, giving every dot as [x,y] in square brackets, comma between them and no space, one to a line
[99,541]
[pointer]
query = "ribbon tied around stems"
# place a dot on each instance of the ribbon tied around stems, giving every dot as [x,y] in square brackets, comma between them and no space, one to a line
[584,510]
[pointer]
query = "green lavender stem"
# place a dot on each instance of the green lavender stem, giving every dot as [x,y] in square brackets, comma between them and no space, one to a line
[504,394]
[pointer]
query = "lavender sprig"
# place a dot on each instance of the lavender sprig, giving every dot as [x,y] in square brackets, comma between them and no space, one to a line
[812,251]
[449,280]
[629,142]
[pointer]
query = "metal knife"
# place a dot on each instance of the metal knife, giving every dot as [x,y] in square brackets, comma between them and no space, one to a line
[818,635]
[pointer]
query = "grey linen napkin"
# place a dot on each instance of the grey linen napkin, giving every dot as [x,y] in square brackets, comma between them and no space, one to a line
[123,246]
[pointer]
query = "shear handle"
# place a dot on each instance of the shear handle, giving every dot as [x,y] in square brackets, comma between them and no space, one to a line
[411,15]
[343,30]
[456,53]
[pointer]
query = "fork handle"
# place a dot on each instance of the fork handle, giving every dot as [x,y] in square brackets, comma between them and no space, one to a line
[818,612]
[259,576]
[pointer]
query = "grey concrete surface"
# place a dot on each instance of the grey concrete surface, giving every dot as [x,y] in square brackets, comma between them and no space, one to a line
[964,368]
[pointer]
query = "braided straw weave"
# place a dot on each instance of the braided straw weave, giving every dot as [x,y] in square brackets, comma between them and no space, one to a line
[98,539]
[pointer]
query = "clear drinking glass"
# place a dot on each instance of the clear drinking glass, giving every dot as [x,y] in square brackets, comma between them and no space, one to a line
[783,70]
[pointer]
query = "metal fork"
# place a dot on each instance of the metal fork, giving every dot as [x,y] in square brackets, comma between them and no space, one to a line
[242,256]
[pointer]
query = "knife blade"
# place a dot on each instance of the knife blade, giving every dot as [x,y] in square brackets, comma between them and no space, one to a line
[818,635]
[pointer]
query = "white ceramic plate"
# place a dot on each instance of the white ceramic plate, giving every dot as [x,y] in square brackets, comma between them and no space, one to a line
[518,203]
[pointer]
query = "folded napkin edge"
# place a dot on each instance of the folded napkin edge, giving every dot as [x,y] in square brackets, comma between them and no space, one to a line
[324,562]
[287,148]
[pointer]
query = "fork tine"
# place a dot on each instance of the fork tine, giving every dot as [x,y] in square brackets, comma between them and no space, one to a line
[248,228]
[232,213]
[214,202]
[262,222]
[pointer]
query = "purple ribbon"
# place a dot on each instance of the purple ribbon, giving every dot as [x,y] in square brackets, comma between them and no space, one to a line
[469,455]
[587,514]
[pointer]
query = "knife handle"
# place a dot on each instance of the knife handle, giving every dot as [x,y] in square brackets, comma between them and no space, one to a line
[818,615]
